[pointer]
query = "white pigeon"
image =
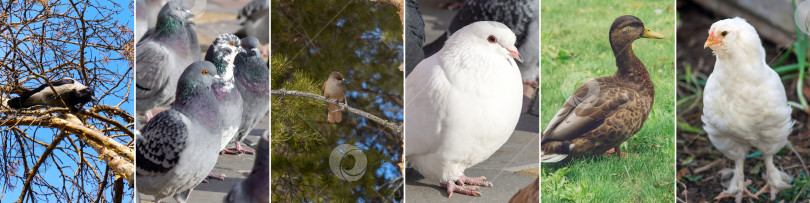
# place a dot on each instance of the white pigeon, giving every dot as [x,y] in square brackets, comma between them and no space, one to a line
[462,104]
[744,104]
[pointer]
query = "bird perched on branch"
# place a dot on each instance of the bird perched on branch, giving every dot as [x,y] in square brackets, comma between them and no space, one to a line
[71,92]
[333,89]
[178,147]
[463,103]
[745,105]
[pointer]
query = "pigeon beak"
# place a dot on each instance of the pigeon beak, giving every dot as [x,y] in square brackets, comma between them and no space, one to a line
[712,40]
[515,54]
[651,34]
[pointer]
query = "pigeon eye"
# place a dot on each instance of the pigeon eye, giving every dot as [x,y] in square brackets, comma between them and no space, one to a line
[205,72]
[724,33]
[231,43]
[491,39]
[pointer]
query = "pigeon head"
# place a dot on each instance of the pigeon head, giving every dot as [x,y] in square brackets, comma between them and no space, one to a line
[626,29]
[173,15]
[251,44]
[199,76]
[222,53]
[726,36]
[487,35]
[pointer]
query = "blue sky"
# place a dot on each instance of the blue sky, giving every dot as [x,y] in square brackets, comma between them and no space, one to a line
[46,135]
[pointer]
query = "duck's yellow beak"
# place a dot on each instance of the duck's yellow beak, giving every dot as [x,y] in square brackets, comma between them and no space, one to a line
[651,34]
[712,40]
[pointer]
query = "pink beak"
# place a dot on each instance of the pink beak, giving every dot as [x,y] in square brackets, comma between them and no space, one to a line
[515,54]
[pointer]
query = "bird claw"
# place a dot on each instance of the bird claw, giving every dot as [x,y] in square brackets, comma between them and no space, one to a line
[237,150]
[766,188]
[213,175]
[739,194]
[461,189]
[477,181]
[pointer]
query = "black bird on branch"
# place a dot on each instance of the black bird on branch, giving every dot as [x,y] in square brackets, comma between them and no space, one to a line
[72,93]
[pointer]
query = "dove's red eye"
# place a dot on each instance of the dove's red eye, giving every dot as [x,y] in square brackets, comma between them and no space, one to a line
[205,72]
[231,43]
[491,39]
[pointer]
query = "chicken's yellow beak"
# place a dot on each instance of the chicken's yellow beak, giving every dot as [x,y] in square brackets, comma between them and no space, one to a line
[712,40]
[651,34]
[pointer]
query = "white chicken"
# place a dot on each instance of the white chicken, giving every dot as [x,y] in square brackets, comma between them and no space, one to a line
[744,105]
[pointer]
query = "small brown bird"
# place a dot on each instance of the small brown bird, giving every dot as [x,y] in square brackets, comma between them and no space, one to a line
[333,89]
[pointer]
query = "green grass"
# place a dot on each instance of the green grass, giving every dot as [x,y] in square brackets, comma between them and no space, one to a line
[574,48]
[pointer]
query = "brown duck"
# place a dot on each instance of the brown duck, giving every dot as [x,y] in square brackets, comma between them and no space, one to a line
[604,111]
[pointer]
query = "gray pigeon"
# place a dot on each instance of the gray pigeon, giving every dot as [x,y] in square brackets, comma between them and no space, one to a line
[256,187]
[146,12]
[222,52]
[257,20]
[162,55]
[73,93]
[252,78]
[415,34]
[178,147]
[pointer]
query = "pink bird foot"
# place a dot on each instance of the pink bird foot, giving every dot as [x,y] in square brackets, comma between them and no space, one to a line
[237,150]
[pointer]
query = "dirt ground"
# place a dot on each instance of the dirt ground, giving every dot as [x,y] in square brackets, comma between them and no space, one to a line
[699,163]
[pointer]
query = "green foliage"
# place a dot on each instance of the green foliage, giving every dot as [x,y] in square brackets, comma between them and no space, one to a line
[575,47]
[362,40]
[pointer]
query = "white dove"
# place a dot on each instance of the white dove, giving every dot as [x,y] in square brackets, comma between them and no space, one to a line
[462,104]
[744,105]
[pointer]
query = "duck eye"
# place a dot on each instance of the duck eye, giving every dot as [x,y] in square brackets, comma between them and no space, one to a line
[724,33]
[491,39]
[205,72]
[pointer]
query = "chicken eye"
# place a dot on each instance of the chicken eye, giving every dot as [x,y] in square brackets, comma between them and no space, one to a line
[724,33]
[205,72]
[491,39]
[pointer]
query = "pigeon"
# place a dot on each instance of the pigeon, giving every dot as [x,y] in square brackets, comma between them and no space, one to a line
[463,103]
[162,55]
[257,21]
[333,90]
[222,53]
[415,34]
[256,187]
[146,12]
[745,105]
[178,147]
[73,94]
[252,79]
